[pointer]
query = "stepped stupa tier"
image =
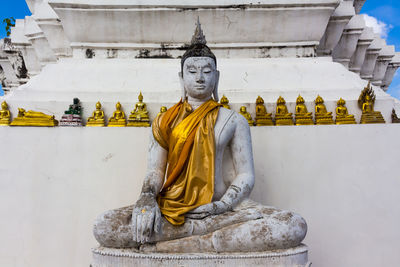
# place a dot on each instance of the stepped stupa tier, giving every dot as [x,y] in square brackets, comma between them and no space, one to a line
[57,179]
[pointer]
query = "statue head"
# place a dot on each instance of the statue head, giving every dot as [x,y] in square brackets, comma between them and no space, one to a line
[98,105]
[140,97]
[199,75]
[259,100]
[224,100]
[341,102]
[4,105]
[243,109]
[118,106]
[21,112]
[319,100]
[281,101]
[163,109]
[76,101]
[300,100]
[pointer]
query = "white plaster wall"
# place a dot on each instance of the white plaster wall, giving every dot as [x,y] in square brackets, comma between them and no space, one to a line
[344,180]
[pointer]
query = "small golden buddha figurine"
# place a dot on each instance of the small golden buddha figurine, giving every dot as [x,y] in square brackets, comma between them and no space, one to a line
[282,115]
[162,110]
[5,114]
[225,102]
[139,116]
[395,119]
[322,116]
[33,118]
[118,117]
[97,118]
[366,102]
[303,117]
[244,113]
[342,115]
[262,117]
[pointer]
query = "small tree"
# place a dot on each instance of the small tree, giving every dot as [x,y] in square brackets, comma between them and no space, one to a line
[10,22]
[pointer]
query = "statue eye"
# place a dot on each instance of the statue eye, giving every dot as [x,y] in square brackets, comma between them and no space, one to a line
[192,70]
[207,70]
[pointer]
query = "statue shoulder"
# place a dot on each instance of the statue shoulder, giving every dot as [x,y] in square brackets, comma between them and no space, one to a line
[232,119]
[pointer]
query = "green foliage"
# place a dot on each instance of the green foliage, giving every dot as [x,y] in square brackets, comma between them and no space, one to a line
[10,22]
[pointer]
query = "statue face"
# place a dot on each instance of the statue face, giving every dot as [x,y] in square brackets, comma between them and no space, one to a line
[199,77]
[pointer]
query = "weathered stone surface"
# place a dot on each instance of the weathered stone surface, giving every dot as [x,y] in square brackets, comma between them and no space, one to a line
[249,227]
[127,257]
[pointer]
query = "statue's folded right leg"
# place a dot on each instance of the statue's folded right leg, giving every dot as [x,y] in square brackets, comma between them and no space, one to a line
[249,228]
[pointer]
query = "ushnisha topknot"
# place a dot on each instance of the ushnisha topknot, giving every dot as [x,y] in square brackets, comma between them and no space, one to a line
[198,46]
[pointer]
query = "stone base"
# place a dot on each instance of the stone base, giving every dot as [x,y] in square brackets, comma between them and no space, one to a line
[95,123]
[375,117]
[71,120]
[38,122]
[345,121]
[323,120]
[304,120]
[107,257]
[138,123]
[264,121]
[283,121]
[121,123]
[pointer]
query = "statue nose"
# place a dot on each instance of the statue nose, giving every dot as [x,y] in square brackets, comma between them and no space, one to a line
[200,78]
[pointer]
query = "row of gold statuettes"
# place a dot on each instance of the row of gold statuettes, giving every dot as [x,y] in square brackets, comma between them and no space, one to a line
[322,116]
[139,117]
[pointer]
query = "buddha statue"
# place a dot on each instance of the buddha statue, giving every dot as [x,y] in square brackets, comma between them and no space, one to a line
[75,108]
[262,117]
[5,114]
[97,119]
[244,113]
[189,206]
[302,116]
[118,117]
[342,114]
[282,115]
[72,116]
[395,119]
[139,116]
[162,110]
[33,118]
[366,102]
[224,102]
[322,116]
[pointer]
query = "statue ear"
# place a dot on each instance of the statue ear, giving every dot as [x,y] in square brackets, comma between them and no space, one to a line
[183,91]
[215,93]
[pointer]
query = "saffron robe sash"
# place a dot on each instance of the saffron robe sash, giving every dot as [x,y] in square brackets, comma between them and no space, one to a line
[189,139]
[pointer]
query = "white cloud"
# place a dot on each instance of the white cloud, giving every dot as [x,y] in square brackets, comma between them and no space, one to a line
[378,26]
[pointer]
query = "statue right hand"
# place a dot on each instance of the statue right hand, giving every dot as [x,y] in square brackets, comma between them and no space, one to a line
[146,218]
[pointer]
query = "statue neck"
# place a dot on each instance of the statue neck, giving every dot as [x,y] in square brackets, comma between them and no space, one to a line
[195,102]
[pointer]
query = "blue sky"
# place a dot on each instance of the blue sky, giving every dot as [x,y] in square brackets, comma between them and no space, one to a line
[387,12]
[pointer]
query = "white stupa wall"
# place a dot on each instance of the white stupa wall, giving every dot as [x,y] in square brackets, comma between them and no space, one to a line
[55,181]
[242,80]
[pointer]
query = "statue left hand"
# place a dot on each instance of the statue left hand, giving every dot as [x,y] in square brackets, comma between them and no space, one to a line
[213,208]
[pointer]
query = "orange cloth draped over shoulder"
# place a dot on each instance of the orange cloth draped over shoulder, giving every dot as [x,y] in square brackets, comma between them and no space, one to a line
[188,136]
